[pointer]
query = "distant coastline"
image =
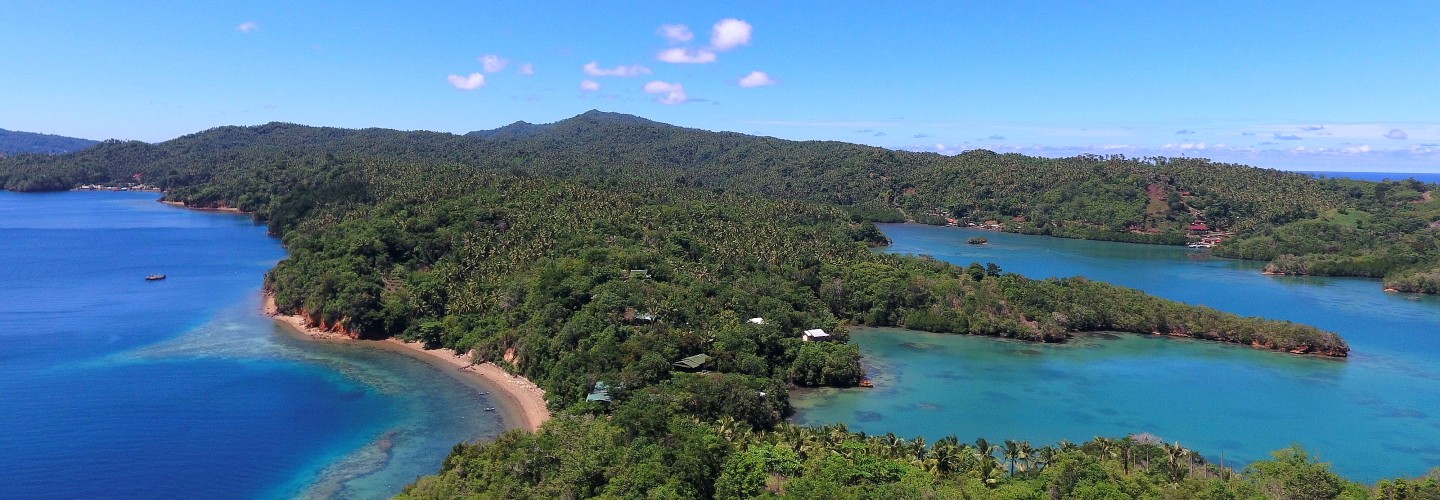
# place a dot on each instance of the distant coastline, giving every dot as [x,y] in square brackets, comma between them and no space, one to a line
[521,403]
[1376,176]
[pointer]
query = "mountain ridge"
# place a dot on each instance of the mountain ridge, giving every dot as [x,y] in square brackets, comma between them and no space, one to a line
[13,142]
[1242,211]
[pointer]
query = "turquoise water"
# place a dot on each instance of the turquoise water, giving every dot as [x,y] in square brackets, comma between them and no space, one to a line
[1374,415]
[115,387]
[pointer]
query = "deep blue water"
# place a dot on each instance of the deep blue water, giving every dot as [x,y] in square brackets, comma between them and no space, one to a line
[115,387]
[1374,415]
[1381,176]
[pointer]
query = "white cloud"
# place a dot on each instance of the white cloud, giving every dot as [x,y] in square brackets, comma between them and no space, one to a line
[472,82]
[1185,147]
[756,79]
[593,69]
[673,93]
[730,33]
[1363,148]
[527,69]
[247,27]
[676,33]
[493,63]
[1396,134]
[686,56]
[589,85]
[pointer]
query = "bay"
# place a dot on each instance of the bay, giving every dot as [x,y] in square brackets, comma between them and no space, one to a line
[1374,415]
[116,387]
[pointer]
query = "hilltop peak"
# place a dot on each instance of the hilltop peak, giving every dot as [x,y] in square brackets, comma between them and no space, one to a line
[597,116]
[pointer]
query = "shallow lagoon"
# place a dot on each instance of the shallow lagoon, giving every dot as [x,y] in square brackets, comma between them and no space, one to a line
[114,387]
[1374,415]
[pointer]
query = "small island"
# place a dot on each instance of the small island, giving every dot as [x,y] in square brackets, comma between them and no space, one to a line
[978,240]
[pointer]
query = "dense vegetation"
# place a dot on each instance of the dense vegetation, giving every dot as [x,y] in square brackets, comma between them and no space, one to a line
[1330,226]
[13,143]
[584,285]
[605,248]
[584,457]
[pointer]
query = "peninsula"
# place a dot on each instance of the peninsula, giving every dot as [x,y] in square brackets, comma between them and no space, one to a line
[585,258]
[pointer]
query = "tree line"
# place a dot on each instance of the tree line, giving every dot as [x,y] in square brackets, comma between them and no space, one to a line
[1328,226]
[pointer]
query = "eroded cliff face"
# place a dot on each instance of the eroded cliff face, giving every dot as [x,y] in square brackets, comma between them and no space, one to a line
[316,321]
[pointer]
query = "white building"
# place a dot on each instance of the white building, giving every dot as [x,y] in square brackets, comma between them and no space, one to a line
[815,335]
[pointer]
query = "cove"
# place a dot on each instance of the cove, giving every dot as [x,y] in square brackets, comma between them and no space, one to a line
[1374,415]
[115,387]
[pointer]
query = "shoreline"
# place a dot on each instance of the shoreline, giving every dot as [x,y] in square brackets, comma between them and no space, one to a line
[520,402]
[181,204]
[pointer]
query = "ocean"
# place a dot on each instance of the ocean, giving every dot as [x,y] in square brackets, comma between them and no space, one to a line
[112,386]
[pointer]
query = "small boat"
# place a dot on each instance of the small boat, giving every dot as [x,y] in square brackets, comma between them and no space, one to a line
[155,277]
[490,408]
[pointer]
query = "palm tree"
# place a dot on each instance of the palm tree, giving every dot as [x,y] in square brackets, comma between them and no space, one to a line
[989,469]
[983,448]
[1027,458]
[1066,445]
[917,449]
[943,459]
[1014,452]
[1175,457]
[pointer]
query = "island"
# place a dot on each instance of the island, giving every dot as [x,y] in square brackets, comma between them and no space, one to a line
[622,278]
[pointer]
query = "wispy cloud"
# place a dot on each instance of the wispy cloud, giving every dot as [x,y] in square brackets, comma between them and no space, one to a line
[1291,137]
[919,136]
[593,69]
[680,55]
[247,27]
[880,134]
[676,33]
[493,63]
[527,69]
[589,85]
[756,79]
[1184,147]
[1396,134]
[669,93]
[472,82]
[997,137]
[730,33]
[1247,133]
[1184,132]
[1312,128]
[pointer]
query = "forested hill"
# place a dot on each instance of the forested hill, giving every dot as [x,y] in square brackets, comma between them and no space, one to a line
[1306,226]
[13,143]
[600,266]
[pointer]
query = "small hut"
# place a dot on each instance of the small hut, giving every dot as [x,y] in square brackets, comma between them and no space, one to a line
[601,393]
[816,335]
[692,363]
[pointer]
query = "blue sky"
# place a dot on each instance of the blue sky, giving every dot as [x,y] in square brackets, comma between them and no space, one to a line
[1295,85]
